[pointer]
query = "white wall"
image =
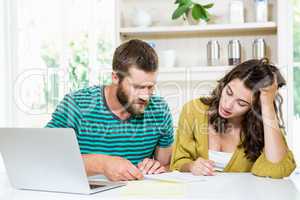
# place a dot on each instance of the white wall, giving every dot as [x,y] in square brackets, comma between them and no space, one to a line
[2,66]
[2,169]
[2,74]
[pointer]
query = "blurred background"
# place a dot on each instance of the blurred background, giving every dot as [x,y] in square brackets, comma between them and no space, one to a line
[50,48]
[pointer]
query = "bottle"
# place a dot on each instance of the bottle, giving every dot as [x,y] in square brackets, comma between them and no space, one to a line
[234,52]
[261,10]
[213,53]
[259,48]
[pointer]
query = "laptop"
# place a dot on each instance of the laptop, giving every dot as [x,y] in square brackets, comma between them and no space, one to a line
[47,159]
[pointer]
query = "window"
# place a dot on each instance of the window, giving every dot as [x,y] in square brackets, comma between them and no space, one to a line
[2,68]
[296,39]
[58,46]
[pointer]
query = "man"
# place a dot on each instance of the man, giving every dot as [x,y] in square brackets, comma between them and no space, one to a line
[123,130]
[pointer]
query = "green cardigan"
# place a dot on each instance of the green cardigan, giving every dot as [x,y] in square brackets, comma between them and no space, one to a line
[192,142]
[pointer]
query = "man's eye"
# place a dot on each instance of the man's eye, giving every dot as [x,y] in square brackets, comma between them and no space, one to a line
[137,87]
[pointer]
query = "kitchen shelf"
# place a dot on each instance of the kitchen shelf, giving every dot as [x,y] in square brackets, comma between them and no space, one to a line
[185,74]
[200,29]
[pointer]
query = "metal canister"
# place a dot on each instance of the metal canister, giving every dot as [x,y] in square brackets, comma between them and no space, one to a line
[234,52]
[259,48]
[213,53]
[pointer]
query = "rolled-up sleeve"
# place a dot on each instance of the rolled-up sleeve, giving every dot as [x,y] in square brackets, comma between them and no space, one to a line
[266,168]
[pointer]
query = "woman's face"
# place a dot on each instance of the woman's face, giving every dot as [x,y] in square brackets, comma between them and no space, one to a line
[235,100]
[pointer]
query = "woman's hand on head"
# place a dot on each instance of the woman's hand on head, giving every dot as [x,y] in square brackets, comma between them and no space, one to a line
[268,94]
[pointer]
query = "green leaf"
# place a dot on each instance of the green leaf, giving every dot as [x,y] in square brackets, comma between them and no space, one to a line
[182,2]
[208,6]
[181,10]
[206,16]
[198,12]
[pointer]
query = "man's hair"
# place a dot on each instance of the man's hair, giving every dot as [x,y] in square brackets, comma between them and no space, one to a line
[134,53]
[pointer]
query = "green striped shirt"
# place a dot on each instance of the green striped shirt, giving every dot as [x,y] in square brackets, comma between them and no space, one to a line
[99,131]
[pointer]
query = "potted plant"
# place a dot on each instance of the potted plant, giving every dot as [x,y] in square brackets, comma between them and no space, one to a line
[192,11]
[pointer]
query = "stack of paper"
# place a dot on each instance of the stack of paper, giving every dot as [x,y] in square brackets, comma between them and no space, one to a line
[175,176]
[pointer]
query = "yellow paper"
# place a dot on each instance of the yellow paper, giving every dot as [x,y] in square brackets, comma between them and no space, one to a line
[147,188]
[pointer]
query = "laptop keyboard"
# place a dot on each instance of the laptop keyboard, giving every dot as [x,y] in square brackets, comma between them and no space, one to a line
[94,186]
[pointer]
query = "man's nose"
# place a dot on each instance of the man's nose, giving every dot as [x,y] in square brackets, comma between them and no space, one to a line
[145,93]
[144,97]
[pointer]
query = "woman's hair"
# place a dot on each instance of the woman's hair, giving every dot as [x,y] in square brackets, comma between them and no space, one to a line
[255,74]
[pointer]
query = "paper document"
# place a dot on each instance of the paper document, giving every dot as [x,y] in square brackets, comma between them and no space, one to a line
[175,176]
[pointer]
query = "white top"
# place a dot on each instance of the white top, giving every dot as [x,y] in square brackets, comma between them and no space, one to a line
[221,159]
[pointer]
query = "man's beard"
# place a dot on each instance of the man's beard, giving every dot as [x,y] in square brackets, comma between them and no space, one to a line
[124,100]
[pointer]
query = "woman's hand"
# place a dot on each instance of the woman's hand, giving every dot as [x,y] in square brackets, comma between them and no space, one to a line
[202,167]
[275,147]
[268,94]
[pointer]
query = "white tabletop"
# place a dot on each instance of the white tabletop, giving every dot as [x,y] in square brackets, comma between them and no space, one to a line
[223,186]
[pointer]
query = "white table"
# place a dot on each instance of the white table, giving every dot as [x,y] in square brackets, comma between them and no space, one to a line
[226,186]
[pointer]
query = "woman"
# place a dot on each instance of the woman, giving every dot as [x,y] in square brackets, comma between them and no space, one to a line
[238,128]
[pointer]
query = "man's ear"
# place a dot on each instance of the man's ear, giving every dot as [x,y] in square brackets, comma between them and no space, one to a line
[115,78]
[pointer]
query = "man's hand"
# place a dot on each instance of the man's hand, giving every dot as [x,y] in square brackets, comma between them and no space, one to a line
[151,166]
[120,169]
